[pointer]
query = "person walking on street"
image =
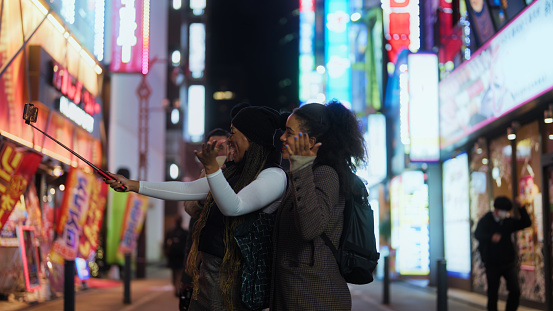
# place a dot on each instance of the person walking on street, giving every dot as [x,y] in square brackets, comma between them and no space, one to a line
[174,248]
[497,250]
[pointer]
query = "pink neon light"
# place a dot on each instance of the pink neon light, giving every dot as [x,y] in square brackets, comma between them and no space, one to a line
[146,37]
[24,257]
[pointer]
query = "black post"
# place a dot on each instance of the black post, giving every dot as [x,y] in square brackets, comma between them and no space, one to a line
[442,285]
[69,286]
[386,283]
[127,279]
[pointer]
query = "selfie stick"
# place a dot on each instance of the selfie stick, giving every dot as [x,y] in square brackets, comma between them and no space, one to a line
[100,171]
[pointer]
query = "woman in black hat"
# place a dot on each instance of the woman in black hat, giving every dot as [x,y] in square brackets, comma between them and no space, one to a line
[253,182]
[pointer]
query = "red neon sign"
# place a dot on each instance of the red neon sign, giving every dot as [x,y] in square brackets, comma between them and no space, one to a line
[74,90]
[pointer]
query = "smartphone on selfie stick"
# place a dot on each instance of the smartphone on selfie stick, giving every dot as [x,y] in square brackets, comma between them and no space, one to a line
[30,113]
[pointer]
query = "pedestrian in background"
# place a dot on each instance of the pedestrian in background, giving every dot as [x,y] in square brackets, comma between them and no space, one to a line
[324,144]
[174,248]
[497,251]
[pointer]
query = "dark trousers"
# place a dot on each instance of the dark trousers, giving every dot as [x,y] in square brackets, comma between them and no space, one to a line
[510,274]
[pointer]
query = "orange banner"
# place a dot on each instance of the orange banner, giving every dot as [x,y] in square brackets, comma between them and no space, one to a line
[91,228]
[17,168]
[73,212]
[135,212]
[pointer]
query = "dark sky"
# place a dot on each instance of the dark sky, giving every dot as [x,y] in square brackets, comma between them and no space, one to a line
[253,51]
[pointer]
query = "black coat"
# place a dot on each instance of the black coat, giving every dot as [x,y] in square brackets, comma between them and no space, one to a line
[502,252]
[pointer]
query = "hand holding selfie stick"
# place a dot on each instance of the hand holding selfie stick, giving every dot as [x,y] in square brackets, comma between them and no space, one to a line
[30,113]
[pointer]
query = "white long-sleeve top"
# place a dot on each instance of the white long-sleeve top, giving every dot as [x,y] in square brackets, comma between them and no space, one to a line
[266,191]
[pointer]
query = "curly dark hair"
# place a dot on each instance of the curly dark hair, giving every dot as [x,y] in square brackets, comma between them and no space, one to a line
[337,128]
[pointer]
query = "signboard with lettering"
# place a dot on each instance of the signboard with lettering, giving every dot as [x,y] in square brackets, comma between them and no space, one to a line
[129,43]
[73,213]
[17,169]
[135,212]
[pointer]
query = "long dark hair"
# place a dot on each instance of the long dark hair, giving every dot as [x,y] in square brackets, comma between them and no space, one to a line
[245,172]
[337,128]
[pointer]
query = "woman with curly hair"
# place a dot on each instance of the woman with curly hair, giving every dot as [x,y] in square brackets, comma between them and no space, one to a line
[324,145]
[254,184]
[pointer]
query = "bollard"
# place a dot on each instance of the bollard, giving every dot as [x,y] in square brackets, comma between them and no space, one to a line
[386,283]
[127,279]
[442,285]
[69,286]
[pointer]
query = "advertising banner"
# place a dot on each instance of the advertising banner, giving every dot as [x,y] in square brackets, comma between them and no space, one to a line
[135,212]
[17,168]
[95,215]
[115,216]
[510,70]
[73,212]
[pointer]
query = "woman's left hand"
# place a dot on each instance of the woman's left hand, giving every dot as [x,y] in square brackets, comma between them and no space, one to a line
[302,146]
[208,155]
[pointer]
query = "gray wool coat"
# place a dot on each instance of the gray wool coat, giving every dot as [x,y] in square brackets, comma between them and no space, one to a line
[305,273]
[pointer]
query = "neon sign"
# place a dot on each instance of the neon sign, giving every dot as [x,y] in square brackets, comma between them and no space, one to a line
[337,51]
[76,114]
[74,91]
[130,41]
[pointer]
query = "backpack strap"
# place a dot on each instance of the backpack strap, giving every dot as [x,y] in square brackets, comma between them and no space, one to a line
[328,243]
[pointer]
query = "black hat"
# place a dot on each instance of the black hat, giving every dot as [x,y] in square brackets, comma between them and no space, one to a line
[257,123]
[503,203]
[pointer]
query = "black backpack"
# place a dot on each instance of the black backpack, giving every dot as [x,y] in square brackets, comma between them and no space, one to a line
[357,255]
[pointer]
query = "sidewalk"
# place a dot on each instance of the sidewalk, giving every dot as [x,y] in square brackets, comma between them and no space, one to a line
[415,297]
[155,293]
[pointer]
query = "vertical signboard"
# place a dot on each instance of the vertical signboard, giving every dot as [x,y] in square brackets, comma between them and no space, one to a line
[410,235]
[457,216]
[338,64]
[424,128]
[129,41]
[307,52]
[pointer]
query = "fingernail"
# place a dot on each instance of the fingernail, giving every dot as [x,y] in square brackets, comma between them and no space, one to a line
[300,134]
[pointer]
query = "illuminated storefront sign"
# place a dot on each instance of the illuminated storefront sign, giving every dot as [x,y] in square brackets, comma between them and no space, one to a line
[456,216]
[79,116]
[196,58]
[423,112]
[310,82]
[130,39]
[375,138]
[195,121]
[74,91]
[338,64]
[510,70]
[409,220]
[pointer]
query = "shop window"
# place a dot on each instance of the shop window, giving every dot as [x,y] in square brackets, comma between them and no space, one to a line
[530,240]
[500,160]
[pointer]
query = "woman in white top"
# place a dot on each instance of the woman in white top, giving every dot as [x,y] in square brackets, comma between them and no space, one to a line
[253,181]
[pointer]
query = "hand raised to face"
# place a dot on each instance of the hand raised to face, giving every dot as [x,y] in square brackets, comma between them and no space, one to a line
[303,146]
